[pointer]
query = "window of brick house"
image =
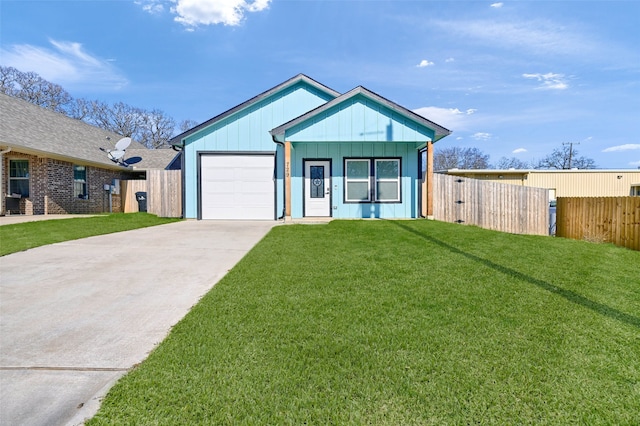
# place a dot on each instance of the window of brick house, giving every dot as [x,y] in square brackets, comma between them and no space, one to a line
[80,182]
[19,177]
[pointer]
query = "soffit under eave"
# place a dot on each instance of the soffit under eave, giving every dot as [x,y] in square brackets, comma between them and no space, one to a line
[420,145]
[73,160]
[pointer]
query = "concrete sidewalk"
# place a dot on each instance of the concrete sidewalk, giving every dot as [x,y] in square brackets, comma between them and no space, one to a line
[17,218]
[75,316]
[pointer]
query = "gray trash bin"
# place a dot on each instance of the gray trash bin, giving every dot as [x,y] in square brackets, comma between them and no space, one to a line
[141,197]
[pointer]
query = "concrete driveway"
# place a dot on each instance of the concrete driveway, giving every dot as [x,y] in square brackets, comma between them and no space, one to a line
[75,316]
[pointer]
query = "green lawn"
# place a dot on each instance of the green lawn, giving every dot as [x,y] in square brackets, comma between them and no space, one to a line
[23,236]
[400,323]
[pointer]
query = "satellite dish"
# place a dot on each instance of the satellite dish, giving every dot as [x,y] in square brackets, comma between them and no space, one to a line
[116,155]
[123,144]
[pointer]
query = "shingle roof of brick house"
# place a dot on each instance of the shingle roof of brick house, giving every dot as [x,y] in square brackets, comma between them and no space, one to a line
[40,131]
[51,163]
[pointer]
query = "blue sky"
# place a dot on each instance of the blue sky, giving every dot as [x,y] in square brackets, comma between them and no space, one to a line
[512,78]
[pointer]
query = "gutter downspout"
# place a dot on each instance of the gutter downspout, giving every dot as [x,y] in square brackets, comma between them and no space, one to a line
[2,193]
[284,192]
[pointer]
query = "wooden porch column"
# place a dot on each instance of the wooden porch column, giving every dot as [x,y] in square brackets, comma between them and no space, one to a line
[429,179]
[287,179]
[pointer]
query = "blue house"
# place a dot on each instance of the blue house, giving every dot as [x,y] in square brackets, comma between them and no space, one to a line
[302,149]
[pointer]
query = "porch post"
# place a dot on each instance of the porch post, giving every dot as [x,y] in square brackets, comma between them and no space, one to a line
[429,179]
[287,179]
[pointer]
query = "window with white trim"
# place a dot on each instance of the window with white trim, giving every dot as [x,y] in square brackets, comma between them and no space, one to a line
[80,182]
[19,178]
[357,182]
[387,175]
[372,180]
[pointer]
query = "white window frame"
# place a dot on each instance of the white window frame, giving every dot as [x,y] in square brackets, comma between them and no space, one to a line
[372,180]
[348,180]
[15,178]
[377,180]
[77,182]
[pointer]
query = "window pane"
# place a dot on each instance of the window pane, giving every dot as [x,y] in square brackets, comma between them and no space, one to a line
[387,169]
[357,169]
[80,190]
[357,191]
[387,191]
[19,168]
[317,181]
[19,186]
[79,173]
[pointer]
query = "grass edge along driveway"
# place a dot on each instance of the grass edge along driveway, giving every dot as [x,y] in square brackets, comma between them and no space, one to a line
[401,322]
[23,236]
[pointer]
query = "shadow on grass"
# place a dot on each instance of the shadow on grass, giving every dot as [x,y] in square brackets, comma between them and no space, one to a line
[567,294]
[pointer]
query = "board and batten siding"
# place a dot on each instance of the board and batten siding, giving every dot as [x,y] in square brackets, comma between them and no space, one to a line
[359,127]
[359,120]
[248,131]
[337,152]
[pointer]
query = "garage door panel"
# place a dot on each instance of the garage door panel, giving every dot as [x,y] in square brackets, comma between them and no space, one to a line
[237,186]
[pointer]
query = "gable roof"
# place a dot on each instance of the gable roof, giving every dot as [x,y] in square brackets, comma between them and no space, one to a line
[439,131]
[35,130]
[177,140]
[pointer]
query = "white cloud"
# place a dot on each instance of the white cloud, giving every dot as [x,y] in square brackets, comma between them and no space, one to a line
[625,147]
[481,136]
[151,6]
[65,63]
[635,163]
[451,118]
[497,5]
[518,151]
[424,63]
[192,13]
[549,81]
[449,60]
[543,37]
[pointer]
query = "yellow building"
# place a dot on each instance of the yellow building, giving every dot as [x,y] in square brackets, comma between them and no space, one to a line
[564,183]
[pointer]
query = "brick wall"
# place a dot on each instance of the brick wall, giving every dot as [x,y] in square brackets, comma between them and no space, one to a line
[51,187]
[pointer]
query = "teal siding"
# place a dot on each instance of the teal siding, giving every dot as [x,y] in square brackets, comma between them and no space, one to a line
[248,130]
[359,119]
[407,151]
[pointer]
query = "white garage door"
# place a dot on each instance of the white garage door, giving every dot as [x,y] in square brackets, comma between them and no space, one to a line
[237,186]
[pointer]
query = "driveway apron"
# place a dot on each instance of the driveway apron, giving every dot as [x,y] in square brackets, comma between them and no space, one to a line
[76,316]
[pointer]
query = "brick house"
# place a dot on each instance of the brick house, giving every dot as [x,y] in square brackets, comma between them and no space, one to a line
[53,164]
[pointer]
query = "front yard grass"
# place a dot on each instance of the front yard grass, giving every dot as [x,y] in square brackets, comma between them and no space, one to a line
[400,323]
[23,236]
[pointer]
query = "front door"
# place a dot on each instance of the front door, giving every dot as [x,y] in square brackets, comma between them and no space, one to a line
[317,188]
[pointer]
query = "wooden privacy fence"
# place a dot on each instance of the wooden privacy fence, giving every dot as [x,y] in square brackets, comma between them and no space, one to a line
[600,219]
[491,205]
[164,193]
[128,189]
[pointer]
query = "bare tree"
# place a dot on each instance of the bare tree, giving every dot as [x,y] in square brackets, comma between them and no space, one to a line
[512,163]
[156,129]
[30,87]
[80,109]
[119,118]
[461,158]
[187,124]
[565,158]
